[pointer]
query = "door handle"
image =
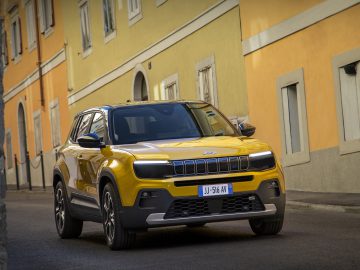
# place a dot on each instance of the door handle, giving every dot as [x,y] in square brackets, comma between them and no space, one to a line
[80,156]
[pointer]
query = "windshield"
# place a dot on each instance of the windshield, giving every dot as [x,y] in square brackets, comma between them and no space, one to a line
[167,121]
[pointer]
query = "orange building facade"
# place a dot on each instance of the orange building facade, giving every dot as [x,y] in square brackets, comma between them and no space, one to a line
[303,82]
[35,87]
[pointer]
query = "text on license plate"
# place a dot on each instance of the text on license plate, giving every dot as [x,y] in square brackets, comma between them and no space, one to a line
[215,190]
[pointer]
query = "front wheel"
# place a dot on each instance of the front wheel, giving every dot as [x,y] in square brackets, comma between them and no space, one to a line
[66,225]
[267,226]
[116,236]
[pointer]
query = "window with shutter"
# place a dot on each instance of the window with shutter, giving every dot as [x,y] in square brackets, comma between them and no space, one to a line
[9,156]
[350,99]
[30,24]
[134,11]
[4,49]
[293,118]
[346,72]
[169,88]
[207,81]
[37,132]
[46,12]
[109,22]
[55,123]
[16,42]
[85,25]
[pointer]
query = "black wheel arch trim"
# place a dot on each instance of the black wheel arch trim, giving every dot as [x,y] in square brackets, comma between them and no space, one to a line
[107,173]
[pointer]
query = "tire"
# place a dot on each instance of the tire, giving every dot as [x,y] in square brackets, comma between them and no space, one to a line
[196,225]
[116,236]
[66,225]
[267,226]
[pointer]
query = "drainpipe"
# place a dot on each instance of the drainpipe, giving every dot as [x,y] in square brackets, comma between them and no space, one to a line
[41,82]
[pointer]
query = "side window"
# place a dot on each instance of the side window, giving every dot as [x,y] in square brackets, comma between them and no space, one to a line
[84,124]
[97,126]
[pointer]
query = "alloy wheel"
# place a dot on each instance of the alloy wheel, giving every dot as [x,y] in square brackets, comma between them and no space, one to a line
[59,209]
[109,217]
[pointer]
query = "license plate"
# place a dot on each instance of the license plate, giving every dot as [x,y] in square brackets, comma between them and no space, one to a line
[215,190]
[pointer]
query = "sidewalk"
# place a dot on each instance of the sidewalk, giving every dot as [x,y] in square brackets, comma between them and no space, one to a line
[342,202]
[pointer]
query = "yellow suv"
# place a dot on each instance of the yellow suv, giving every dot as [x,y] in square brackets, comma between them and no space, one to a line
[141,165]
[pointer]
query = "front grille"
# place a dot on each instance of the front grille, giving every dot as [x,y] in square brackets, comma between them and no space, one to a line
[206,206]
[210,166]
[187,183]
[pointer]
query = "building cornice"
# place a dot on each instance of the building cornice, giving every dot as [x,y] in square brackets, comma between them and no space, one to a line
[302,20]
[46,67]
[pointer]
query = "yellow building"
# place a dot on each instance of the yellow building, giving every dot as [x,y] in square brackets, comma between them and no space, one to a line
[303,82]
[155,49]
[35,86]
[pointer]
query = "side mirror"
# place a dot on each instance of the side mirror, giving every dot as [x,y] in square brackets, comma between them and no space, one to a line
[247,129]
[90,140]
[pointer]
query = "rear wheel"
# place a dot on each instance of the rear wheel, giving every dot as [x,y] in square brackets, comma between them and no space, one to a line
[66,225]
[116,236]
[267,226]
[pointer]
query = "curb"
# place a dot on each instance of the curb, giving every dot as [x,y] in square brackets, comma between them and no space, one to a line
[47,191]
[327,207]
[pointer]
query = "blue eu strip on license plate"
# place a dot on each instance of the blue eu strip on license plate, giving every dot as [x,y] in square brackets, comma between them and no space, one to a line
[215,190]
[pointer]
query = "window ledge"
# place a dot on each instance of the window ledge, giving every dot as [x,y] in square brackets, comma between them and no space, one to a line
[109,36]
[159,2]
[32,47]
[48,32]
[17,59]
[135,19]
[349,147]
[87,52]
[296,159]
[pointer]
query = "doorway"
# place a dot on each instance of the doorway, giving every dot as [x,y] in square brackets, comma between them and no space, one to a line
[140,88]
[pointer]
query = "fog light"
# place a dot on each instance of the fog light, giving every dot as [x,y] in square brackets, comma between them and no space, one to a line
[146,194]
[274,185]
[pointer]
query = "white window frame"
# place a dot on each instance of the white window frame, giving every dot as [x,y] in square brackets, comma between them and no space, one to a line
[30,24]
[202,65]
[54,105]
[46,17]
[134,15]
[38,135]
[290,159]
[85,50]
[171,80]
[110,34]
[159,2]
[9,150]
[4,47]
[345,147]
[16,39]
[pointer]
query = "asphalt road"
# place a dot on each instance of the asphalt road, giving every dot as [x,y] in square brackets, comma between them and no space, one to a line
[310,239]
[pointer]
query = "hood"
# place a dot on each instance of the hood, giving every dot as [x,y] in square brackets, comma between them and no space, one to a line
[193,148]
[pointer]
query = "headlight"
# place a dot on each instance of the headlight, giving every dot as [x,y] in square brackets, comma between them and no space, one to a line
[261,161]
[152,168]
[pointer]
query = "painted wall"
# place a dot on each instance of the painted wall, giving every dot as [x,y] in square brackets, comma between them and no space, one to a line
[17,74]
[312,49]
[259,15]
[220,38]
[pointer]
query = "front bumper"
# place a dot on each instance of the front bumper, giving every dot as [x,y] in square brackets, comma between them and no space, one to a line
[159,218]
[159,209]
